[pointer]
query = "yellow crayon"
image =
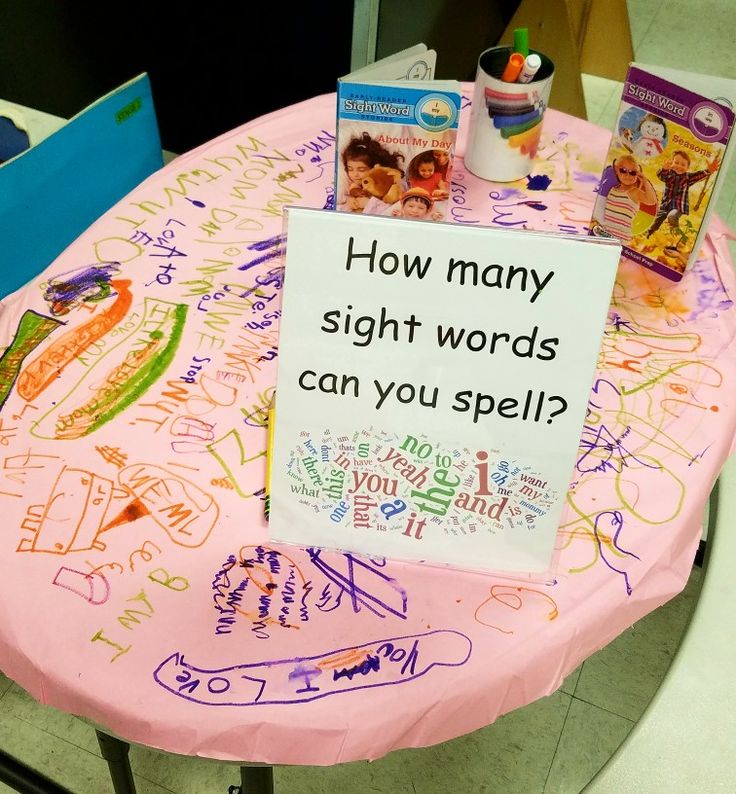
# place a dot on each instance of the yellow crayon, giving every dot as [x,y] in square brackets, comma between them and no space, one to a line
[269,452]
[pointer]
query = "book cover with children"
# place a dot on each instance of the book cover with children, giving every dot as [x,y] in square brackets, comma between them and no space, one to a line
[395,147]
[661,172]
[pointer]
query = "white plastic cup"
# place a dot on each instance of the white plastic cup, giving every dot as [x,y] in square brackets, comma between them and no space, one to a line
[506,118]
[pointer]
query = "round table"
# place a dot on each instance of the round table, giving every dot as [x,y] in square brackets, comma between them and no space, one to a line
[140,589]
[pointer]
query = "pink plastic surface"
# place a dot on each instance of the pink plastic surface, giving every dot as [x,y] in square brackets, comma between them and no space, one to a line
[139,588]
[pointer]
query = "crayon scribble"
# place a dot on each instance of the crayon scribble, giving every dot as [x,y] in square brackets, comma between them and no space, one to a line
[87,284]
[302,679]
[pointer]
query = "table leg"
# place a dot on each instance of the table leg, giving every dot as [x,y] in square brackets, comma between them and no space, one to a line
[115,752]
[256,779]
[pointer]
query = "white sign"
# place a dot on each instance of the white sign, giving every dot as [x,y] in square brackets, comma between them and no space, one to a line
[433,382]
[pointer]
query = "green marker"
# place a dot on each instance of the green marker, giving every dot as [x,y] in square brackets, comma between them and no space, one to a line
[521,41]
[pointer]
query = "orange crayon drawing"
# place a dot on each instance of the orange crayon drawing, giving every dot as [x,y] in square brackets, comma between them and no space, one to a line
[131,512]
[182,509]
[223,482]
[505,608]
[111,390]
[27,407]
[574,211]
[40,373]
[585,535]
[145,555]
[7,434]
[83,505]
[113,566]
[21,464]
[182,466]
[113,455]
[262,571]
[353,656]
[73,514]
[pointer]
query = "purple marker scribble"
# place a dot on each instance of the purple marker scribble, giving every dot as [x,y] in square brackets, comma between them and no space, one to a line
[604,452]
[269,242]
[619,323]
[272,242]
[538,182]
[303,679]
[321,164]
[586,178]
[499,216]
[699,456]
[506,193]
[259,260]
[359,595]
[329,601]
[617,523]
[712,298]
[597,386]
[89,284]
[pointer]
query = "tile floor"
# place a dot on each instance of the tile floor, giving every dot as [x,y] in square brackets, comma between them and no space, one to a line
[554,745]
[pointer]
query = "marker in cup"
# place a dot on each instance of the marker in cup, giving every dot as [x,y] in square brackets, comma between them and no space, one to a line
[513,68]
[521,41]
[506,118]
[529,69]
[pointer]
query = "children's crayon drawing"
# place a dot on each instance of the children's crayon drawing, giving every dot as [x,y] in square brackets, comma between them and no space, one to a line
[141,587]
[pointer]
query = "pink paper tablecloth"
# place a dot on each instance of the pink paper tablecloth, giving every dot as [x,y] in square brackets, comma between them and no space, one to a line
[139,588]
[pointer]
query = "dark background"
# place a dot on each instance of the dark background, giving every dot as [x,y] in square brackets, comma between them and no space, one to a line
[60,55]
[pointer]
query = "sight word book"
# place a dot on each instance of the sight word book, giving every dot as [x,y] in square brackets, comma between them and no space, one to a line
[396,133]
[668,154]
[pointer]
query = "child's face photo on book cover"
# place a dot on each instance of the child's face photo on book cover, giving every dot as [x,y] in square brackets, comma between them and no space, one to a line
[393,170]
[656,186]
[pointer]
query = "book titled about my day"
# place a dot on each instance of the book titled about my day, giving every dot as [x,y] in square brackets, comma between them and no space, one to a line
[396,134]
[667,158]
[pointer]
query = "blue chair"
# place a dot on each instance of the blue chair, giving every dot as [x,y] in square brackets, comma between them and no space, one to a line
[50,193]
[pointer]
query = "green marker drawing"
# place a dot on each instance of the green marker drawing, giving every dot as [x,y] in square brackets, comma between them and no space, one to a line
[128,370]
[33,328]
